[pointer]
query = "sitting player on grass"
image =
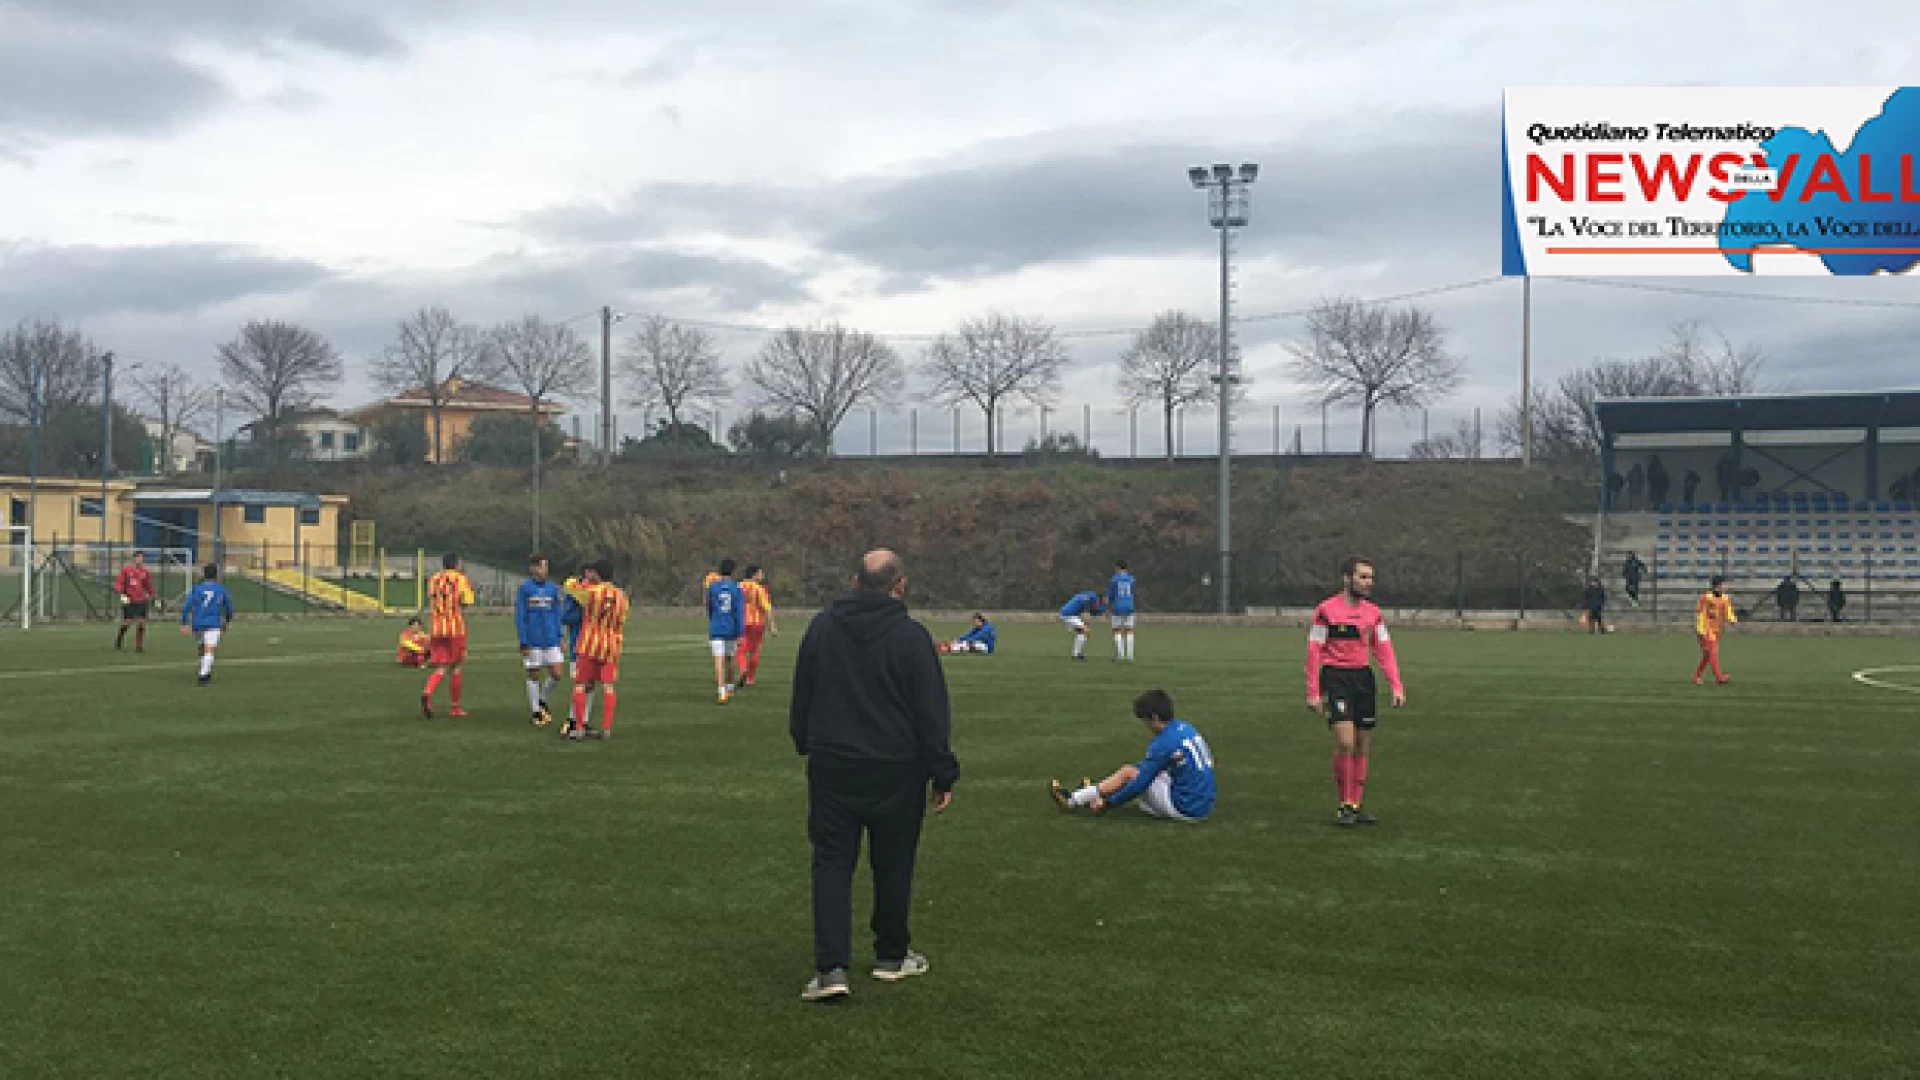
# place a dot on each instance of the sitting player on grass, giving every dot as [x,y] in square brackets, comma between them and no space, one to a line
[412,650]
[980,639]
[1174,781]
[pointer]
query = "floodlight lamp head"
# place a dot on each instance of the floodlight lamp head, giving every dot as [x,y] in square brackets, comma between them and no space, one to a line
[1223,172]
[1198,174]
[1248,171]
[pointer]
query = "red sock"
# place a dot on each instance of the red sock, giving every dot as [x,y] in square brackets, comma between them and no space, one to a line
[433,683]
[606,709]
[1715,657]
[1340,775]
[455,683]
[1358,771]
[579,706]
[1702,665]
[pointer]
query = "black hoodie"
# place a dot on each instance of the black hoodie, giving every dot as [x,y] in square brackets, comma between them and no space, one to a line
[868,686]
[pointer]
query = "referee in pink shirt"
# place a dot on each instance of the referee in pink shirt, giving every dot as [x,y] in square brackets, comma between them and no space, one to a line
[1346,634]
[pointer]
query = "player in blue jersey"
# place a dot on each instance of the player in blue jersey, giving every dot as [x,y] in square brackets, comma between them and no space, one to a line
[1072,614]
[572,615]
[205,615]
[726,621]
[1174,781]
[1120,603]
[536,619]
[980,639]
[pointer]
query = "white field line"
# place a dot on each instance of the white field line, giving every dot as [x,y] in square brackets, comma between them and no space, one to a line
[188,661]
[1865,676]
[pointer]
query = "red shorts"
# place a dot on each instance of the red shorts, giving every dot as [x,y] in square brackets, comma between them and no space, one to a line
[443,651]
[754,633]
[586,670]
[412,659]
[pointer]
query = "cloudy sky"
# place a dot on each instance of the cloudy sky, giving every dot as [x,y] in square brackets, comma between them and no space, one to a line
[172,168]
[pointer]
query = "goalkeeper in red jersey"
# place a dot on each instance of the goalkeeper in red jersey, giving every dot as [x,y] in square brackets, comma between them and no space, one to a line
[1346,636]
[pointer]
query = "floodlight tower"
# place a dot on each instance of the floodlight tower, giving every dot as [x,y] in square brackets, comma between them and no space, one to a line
[1228,207]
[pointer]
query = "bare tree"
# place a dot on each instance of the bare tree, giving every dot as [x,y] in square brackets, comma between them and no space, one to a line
[1366,353]
[1168,364]
[178,403]
[990,359]
[820,374]
[40,358]
[1462,443]
[1566,429]
[543,360]
[274,367]
[430,351]
[673,367]
[1715,367]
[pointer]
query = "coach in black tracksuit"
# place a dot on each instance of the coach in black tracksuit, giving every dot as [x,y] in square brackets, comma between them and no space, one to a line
[870,714]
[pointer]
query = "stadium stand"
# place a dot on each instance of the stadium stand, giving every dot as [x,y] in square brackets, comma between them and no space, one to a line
[1816,488]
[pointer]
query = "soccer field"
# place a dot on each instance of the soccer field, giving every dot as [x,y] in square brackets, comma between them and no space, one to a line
[1585,866]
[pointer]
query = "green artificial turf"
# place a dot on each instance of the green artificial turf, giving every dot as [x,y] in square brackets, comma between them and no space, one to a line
[1586,866]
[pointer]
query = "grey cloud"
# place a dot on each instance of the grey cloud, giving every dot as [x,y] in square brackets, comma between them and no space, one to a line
[63,83]
[1419,187]
[348,28]
[78,282]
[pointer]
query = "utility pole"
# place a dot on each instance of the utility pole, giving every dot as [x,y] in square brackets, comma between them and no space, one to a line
[1227,208]
[1526,371]
[606,386]
[106,440]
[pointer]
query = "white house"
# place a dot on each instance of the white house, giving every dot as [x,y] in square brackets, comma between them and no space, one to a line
[330,435]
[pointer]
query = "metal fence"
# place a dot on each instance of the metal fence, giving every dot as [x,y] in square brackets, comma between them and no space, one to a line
[1874,589]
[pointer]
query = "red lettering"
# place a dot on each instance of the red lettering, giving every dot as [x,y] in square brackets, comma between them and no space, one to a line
[1538,170]
[1825,179]
[1867,194]
[1717,168]
[1908,193]
[1595,177]
[1666,173]
[1784,177]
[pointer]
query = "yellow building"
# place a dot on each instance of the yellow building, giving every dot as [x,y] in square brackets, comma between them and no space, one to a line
[466,402]
[251,529]
[65,509]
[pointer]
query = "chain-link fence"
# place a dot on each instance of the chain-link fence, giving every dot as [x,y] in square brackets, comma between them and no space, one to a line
[1871,587]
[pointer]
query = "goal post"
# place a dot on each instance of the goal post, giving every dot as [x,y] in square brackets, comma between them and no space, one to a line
[18,559]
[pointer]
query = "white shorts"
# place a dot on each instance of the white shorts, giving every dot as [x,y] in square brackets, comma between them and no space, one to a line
[1122,622]
[208,638]
[723,646]
[539,658]
[1075,623]
[1157,800]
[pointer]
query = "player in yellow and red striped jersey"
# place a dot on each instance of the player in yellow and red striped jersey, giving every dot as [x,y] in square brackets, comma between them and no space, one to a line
[1712,614]
[603,621]
[758,610]
[449,594]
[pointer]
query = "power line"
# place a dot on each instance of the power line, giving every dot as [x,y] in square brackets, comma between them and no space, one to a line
[1093,332]
[1722,294]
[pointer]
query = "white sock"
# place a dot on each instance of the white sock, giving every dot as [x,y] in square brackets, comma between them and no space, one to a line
[1079,644]
[533,695]
[1129,646]
[587,716]
[1085,796]
[206,664]
[546,687]
[1120,646]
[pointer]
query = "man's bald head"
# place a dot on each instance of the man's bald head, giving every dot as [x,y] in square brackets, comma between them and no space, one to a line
[879,571]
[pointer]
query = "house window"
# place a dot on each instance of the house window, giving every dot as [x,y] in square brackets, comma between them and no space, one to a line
[350,442]
[310,515]
[326,440]
[256,515]
[89,507]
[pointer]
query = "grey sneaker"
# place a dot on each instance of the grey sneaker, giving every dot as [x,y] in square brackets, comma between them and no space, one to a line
[1361,817]
[906,967]
[1344,816]
[827,986]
